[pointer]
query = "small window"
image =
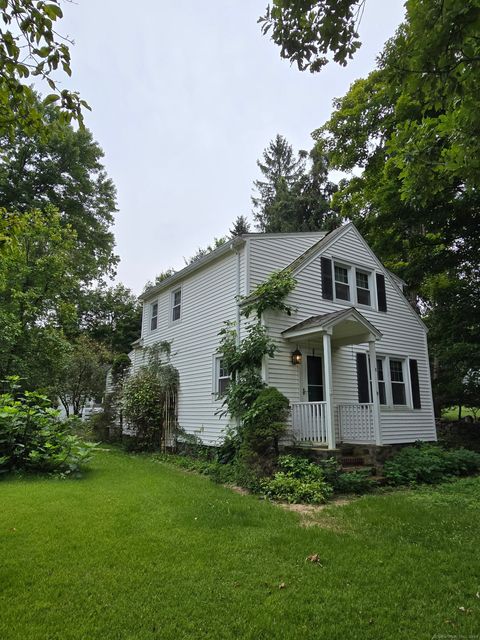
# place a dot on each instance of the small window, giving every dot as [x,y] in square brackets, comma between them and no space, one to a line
[153,316]
[222,378]
[399,396]
[176,304]
[382,392]
[342,286]
[363,288]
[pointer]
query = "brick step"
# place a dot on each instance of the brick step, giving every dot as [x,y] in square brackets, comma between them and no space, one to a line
[352,461]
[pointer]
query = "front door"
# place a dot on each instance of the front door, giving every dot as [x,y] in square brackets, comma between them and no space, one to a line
[315,378]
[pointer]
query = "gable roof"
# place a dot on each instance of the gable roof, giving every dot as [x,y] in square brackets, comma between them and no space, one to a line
[213,255]
[310,253]
[193,266]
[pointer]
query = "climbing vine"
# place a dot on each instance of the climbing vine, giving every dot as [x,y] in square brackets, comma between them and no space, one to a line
[261,411]
[147,398]
[270,294]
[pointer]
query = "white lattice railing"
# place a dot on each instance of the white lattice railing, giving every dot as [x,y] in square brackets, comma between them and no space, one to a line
[356,422]
[308,422]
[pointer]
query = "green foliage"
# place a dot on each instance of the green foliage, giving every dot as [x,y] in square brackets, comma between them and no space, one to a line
[37,293]
[270,295]
[298,481]
[34,439]
[30,46]
[200,253]
[61,166]
[264,423]
[308,32]
[240,226]
[293,196]
[145,396]
[81,374]
[250,352]
[219,473]
[111,316]
[428,463]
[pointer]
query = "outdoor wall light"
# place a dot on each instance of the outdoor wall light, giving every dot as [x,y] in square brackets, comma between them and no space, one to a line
[296,356]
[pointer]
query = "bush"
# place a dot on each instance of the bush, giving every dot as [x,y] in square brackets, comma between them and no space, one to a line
[220,473]
[263,425]
[331,472]
[298,481]
[429,463]
[354,482]
[33,439]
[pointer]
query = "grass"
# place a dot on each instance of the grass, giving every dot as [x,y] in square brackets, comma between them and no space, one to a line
[451,413]
[140,550]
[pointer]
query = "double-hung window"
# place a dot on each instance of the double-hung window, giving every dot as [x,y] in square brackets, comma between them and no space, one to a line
[153,316]
[392,381]
[176,305]
[352,284]
[342,283]
[382,390]
[222,378]
[362,280]
[397,381]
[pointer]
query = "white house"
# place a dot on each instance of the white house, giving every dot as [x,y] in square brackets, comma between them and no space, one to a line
[361,372]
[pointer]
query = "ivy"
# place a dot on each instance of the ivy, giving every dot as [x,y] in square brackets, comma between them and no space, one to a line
[270,295]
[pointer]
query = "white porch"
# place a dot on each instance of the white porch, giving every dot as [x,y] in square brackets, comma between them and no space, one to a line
[326,422]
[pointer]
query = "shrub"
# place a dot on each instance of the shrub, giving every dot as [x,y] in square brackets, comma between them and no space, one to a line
[32,438]
[430,464]
[263,425]
[294,490]
[297,481]
[354,482]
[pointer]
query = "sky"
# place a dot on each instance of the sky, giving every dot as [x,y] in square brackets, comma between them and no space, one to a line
[185,97]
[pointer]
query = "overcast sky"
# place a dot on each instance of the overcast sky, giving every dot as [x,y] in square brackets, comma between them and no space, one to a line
[185,97]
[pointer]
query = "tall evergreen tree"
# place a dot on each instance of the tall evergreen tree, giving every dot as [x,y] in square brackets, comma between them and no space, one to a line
[240,226]
[281,169]
[296,197]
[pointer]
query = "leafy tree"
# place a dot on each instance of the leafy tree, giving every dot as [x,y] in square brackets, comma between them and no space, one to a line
[111,316]
[38,284]
[240,226]
[30,45]
[82,374]
[62,166]
[307,32]
[412,126]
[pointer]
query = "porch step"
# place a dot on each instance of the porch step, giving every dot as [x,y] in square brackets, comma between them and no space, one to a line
[352,461]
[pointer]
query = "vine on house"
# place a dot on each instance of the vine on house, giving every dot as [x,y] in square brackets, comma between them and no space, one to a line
[262,411]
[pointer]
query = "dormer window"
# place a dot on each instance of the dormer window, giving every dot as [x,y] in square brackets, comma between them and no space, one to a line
[176,305]
[153,316]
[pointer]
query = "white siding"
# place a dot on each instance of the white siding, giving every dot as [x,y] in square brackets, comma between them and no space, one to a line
[272,252]
[208,299]
[403,336]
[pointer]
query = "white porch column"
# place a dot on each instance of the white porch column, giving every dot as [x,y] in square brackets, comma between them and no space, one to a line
[327,370]
[372,354]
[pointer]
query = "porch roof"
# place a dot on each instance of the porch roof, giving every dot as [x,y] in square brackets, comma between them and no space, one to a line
[347,326]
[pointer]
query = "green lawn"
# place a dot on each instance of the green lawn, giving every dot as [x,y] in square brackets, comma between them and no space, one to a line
[138,549]
[451,413]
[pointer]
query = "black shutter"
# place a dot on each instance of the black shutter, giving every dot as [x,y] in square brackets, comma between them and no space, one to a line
[327,280]
[381,295]
[362,378]
[415,384]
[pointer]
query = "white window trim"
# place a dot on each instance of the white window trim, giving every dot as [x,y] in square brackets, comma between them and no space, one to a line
[352,284]
[216,378]
[151,316]
[385,358]
[171,321]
